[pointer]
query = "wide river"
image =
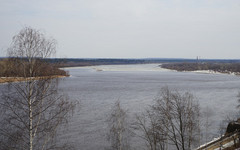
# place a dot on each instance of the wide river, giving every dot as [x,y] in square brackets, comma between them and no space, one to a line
[98,87]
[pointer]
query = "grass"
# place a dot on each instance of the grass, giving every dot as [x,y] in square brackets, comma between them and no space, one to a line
[19,79]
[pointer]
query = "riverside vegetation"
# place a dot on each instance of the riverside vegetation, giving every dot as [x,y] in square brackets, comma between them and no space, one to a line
[15,69]
[214,66]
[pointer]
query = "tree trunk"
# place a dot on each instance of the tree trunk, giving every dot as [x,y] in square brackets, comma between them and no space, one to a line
[30,128]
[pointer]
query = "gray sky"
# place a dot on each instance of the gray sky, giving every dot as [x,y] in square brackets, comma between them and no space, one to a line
[129,28]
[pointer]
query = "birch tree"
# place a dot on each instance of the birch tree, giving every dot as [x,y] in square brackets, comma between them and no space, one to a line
[32,110]
[119,128]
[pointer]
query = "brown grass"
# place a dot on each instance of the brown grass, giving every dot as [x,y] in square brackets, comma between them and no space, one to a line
[18,79]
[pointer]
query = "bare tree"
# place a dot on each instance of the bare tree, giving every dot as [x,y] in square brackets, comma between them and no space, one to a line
[179,115]
[149,129]
[119,128]
[32,110]
[174,120]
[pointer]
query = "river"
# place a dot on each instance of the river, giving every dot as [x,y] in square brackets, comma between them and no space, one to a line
[98,87]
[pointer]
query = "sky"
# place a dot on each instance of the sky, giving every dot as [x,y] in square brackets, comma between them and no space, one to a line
[209,29]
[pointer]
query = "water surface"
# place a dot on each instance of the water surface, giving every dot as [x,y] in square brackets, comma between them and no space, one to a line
[98,87]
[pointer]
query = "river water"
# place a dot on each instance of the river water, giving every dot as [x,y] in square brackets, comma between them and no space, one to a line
[97,88]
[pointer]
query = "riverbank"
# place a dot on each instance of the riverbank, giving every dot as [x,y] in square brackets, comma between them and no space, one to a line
[19,79]
[209,68]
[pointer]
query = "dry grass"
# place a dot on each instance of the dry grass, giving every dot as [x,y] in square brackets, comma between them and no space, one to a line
[18,79]
[10,79]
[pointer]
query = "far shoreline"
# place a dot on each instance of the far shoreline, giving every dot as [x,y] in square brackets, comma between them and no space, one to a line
[98,68]
[205,68]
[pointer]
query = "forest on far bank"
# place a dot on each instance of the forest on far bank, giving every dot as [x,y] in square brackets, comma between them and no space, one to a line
[77,62]
[222,67]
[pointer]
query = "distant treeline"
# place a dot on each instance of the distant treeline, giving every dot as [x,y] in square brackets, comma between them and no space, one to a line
[72,62]
[17,67]
[9,65]
[93,62]
[233,67]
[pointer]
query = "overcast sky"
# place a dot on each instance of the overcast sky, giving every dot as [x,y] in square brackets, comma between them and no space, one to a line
[129,28]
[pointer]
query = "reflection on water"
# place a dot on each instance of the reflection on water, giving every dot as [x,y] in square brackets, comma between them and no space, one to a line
[98,87]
